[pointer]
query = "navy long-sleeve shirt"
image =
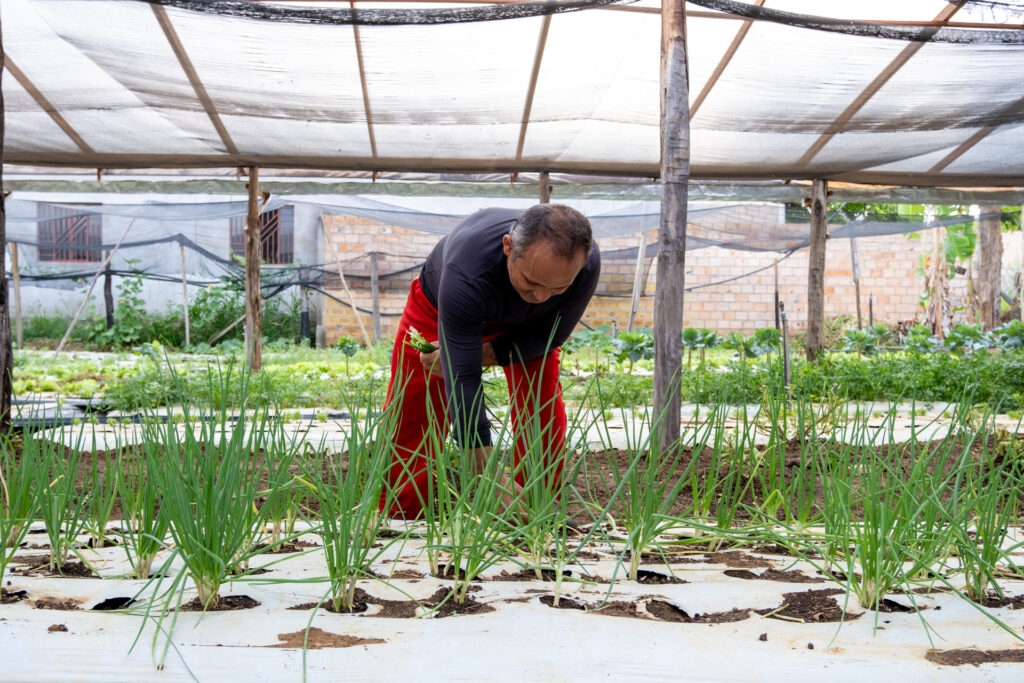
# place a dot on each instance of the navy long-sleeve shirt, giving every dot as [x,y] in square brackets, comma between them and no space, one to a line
[466,279]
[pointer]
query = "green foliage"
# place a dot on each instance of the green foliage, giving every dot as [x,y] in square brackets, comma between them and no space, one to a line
[633,346]
[1010,335]
[920,339]
[966,338]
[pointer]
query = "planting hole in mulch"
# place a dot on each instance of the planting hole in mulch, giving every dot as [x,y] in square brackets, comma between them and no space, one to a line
[791,576]
[449,608]
[69,570]
[57,628]
[817,606]
[563,603]
[107,543]
[689,557]
[650,578]
[888,606]
[407,574]
[284,548]
[62,604]
[319,639]
[227,603]
[666,611]
[360,600]
[10,597]
[529,575]
[993,601]
[445,571]
[737,559]
[113,604]
[974,657]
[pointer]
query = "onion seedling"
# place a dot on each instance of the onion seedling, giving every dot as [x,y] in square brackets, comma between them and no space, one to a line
[19,499]
[210,476]
[102,481]
[143,526]
[63,505]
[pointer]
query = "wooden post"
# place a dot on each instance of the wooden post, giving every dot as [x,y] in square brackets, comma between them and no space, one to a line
[375,296]
[990,246]
[92,285]
[855,260]
[6,352]
[638,279]
[816,271]
[253,255]
[545,187]
[675,176]
[108,298]
[16,277]
[184,296]
[344,284]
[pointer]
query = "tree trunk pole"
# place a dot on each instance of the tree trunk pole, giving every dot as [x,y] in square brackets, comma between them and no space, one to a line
[6,352]
[108,298]
[816,271]
[990,243]
[375,295]
[638,279]
[544,181]
[16,277]
[253,254]
[675,176]
[184,296]
[855,262]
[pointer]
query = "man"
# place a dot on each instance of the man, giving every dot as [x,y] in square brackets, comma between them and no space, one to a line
[503,288]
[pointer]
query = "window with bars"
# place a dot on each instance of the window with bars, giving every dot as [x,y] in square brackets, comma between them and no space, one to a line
[277,235]
[68,235]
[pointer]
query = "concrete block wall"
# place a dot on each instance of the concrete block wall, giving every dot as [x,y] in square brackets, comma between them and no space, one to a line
[887,267]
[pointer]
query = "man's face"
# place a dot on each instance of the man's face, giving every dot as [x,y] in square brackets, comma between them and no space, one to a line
[539,273]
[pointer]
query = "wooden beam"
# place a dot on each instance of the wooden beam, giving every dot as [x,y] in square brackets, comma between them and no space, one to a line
[366,91]
[675,176]
[88,292]
[888,72]
[253,255]
[531,89]
[45,104]
[722,63]
[193,78]
[1010,113]
[816,271]
[855,263]
[638,280]
[990,248]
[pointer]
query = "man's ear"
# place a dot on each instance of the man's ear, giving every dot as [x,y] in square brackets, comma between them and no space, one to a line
[506,245]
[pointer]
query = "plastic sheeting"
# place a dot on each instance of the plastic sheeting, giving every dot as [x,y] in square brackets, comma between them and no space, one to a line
[124,83]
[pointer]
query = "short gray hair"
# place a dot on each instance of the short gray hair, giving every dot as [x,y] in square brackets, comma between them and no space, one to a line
[564,228]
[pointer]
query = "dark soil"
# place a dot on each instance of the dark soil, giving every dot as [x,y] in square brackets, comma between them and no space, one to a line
[666,611]
[450,609]
[63,604]
[668,558]
[563,603]
[791,576]
[974,657]
[407,574]
[227,603]
[815,606]
[360,599]
[283,548]
[528,575]
[10,597]
[994,601]
[318,639]
[57,628]
[739,560]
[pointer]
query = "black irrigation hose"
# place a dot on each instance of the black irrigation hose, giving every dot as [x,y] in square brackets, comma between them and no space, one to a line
[382,17]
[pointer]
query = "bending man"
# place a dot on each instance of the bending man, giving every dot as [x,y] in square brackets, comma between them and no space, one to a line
[505,288]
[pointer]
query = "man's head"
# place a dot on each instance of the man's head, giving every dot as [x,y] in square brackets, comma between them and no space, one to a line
[546,248]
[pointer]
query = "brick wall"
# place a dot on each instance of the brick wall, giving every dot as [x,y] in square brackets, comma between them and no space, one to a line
[887,267]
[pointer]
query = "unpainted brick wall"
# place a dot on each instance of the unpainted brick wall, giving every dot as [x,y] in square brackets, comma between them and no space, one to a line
[887,271]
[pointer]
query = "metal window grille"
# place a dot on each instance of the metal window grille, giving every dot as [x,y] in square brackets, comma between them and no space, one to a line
[68,235]
[277,235]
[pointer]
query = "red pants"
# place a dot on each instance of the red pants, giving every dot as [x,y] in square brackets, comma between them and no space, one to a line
[418,405]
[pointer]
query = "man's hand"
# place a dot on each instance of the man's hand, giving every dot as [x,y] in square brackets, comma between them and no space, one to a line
[432,363]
